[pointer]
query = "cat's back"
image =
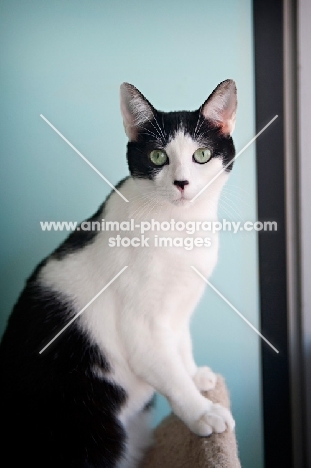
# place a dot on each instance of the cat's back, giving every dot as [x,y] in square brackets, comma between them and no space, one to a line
[60,397]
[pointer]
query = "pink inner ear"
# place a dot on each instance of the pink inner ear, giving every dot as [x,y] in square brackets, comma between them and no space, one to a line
[221,113]
[135,109]
[126,94]
[128,122]
[220,108]
[227,124]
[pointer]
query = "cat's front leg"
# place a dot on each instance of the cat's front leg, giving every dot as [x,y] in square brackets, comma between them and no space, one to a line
[153,356]
[203,377]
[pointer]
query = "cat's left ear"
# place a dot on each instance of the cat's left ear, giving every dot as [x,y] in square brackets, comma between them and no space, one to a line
[135,109]
[220,107]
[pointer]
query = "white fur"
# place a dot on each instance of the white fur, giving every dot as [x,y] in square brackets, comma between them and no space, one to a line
[141,322]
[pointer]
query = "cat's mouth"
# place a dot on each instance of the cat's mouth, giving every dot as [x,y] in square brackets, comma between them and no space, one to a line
[181,200]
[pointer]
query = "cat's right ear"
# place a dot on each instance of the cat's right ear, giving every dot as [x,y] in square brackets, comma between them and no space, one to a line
[135,109]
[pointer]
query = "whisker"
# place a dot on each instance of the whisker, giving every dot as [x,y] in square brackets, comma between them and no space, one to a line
[139,208]
[143,211]
[230,207]
[156,121]
[195,130]
[163,126]
[238,197]
[151,208]
[149,132]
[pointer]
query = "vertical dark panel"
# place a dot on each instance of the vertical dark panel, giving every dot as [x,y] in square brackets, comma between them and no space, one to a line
[268,29]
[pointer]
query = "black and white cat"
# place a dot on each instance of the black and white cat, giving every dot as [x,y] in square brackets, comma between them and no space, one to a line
[85,401]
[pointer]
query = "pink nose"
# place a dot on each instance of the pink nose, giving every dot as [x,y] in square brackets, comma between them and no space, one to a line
[180,184]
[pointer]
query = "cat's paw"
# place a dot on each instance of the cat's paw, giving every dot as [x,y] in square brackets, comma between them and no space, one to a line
[216,419]
[205,379]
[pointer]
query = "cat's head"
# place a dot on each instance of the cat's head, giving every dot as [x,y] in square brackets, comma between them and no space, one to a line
[174,155]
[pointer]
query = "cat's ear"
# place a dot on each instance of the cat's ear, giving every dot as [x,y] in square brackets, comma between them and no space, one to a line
[135,109]
[220,107]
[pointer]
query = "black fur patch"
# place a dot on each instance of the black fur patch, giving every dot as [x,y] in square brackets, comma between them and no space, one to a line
[54,411]
[150,404]
[157,133]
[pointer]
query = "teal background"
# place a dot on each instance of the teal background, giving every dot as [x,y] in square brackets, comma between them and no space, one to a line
[66,60]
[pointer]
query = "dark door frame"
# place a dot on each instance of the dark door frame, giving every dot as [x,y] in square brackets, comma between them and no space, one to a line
[275,40]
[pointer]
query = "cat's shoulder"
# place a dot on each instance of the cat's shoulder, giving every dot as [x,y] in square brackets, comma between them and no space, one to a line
[81,238]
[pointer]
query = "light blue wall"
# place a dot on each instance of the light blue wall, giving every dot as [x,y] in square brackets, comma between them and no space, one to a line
[66,60]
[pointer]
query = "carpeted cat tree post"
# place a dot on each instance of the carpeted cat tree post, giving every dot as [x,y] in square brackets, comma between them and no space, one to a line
[176,447]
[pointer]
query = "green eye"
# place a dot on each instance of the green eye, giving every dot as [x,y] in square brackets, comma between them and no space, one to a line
[158,157]
[202,155]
